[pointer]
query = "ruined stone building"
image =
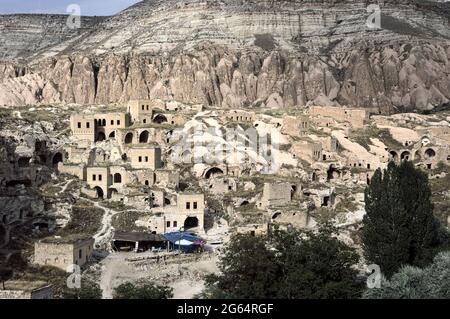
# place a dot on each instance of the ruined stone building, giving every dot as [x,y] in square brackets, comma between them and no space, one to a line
[296,125]
[239,116]
[355,117]
[307,150]
[25,162]
[186,214]
[128,157]
[64,252]
[276,194]
[15,289]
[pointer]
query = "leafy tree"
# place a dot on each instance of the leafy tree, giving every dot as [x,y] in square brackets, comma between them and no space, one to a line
[88,290]
[249,270]
[290,264]
[146,291]
[5,274]
[410,282]
[316,265]
[399,226]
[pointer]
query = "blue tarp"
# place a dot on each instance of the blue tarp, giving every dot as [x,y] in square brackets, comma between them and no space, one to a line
[178,240]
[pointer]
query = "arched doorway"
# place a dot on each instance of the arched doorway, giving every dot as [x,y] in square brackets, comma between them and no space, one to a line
[117,178]
[100,193]
[57,158]
[159,119]
[393,155]
[405,156]
[112,191]
[101,137]
[112,135]
[190,222]
[333,173]
[214,171]
[143,137]
[129,138]
[430,153]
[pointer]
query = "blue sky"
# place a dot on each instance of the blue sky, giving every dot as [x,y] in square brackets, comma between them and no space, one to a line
[88,7]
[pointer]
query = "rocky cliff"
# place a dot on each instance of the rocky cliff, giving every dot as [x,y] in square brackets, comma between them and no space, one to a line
[246,53]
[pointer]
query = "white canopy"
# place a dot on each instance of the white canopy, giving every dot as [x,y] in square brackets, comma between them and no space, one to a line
[184,242]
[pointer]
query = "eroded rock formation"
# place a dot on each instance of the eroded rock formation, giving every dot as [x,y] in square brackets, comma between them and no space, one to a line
[236,54]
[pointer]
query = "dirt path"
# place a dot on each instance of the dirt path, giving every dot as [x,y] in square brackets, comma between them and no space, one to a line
[64,188]
[110,265]
[104,235]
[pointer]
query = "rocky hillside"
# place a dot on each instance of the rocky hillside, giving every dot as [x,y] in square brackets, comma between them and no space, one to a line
[24,35]
[236,53]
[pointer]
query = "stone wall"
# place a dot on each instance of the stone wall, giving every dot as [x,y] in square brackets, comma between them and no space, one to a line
[356,117]
[62,255]
[275,194]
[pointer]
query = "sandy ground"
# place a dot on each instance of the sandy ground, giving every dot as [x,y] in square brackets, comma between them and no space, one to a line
[186,289]
[185,278]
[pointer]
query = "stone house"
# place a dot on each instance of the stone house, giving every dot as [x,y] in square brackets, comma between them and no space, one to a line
[296,125]
[63,252]
[187,214]
[26,290]
[307,150]
[98,127]
[141,111]
[253,229]
[146,157]
[222,185]
[276,194]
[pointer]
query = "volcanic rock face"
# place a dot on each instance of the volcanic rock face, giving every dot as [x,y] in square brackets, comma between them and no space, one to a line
[247,53]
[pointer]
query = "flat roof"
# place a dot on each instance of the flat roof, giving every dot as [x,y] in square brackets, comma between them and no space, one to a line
[70,239]
[22,285]
[136,237]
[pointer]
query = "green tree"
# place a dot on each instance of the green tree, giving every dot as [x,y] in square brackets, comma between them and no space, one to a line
[5,274]
[399,226]
[290,264]
[146,291]
[88,290]
[249,270]
[316,265]
[410,282]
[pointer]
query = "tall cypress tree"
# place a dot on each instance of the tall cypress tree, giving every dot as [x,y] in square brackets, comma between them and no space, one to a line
[399,225]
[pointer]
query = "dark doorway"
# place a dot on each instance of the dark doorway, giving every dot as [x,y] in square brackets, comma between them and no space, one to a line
[190,222]
[143,137]
[159,119]
[100,193]
[213,171]
[117,178]
[101,137]
[129,138]
[57,158]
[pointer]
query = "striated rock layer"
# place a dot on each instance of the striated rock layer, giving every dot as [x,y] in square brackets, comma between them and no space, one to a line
[247,53]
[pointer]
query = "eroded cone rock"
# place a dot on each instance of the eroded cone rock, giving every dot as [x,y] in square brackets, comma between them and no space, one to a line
[231,54]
